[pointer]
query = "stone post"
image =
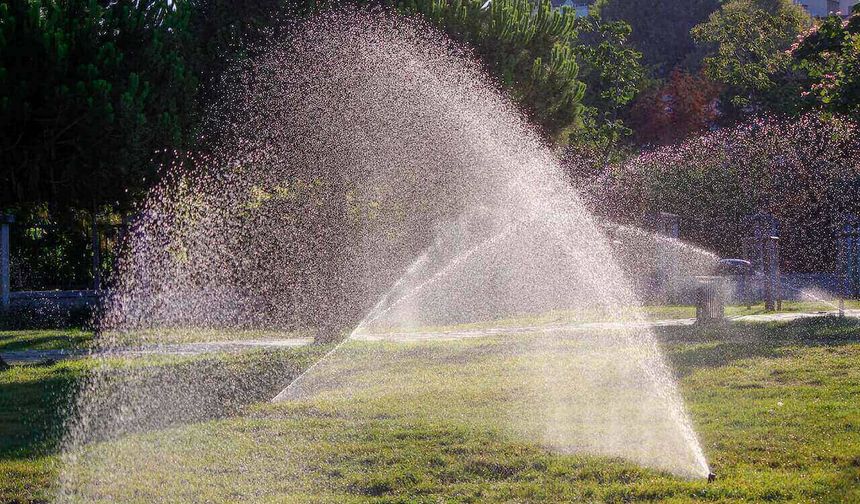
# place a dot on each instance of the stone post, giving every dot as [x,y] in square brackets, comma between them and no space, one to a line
[761,249]
[5,222]
[848,236]
[772,294]
[97,256]
[668,261]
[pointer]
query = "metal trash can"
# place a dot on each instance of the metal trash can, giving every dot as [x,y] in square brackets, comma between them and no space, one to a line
[710,300]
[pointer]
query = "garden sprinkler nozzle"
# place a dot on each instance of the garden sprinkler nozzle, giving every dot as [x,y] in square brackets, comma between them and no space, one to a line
[711,477]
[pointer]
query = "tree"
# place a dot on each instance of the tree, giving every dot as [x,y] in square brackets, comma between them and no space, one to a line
[829,58]
[88,91]
[684,106]
[527,46]
[661,29]
[747,43]
[226,30]
[613,76]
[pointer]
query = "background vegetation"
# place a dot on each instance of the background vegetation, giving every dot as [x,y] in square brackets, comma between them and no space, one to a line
[96,98]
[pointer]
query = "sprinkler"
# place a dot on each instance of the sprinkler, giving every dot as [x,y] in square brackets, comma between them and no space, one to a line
[711,477]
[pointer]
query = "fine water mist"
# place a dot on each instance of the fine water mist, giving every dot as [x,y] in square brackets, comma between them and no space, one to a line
[367,177]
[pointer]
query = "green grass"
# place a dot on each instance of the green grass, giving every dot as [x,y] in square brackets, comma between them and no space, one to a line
[73,338]
[776,406]
[35,400]
[658,312]
[45,339]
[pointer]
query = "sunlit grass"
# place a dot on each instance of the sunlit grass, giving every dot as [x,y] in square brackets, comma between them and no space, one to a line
[775,406]
[45,339]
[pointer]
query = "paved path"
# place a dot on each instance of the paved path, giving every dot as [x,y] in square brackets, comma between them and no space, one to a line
[583,326]
[789,316]
[234,346]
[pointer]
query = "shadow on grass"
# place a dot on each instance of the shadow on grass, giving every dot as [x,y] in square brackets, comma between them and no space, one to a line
[695,347]
[36,401]
[32,411]
[43,339]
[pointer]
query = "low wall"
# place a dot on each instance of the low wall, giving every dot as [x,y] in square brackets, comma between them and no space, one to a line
[54,300]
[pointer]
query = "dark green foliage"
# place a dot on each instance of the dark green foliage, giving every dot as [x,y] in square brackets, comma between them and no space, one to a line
[88,92]
[613,77]
[828,59]
[747,43]
[661,29]
[223,31]
[50,250]
[527,47]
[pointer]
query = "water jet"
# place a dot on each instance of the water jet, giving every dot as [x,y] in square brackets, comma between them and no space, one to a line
[368,174]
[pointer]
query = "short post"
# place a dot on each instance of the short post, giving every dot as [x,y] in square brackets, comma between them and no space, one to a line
[5,283]
[710,300]
[772,296]
[668,225]
[97,257]
[848,236]
[762,251]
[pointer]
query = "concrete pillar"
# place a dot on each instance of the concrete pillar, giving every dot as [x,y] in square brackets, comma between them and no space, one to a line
[772,294]
[848,236]
[5,223]
[761,249]
[761,227]
[97,254]
[668,258]
[668,224]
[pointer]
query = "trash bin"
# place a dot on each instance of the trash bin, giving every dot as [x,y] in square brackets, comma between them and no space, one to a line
[710,300]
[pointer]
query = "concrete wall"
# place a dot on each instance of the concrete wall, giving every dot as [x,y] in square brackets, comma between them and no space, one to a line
[54,301]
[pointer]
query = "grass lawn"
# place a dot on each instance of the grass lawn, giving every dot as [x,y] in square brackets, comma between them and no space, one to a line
[35,399]
[776,407]
[45,339]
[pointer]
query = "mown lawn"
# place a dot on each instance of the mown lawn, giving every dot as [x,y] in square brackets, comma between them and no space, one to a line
[45,339]
[776,407]
[35,401]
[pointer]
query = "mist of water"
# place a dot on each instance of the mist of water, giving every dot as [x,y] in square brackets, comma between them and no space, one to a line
[368,175]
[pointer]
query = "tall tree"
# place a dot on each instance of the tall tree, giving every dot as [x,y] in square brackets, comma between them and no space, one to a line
[88,91]
[747,43]
[685,105]
[661,29]
[829,59]
[527,46]
[613,77]
[227,30]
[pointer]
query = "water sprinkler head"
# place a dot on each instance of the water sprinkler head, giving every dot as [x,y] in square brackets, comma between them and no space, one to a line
[711,477]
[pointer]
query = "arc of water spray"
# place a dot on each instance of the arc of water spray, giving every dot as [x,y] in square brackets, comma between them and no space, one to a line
[410,271]
[459,259]
[416,264]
